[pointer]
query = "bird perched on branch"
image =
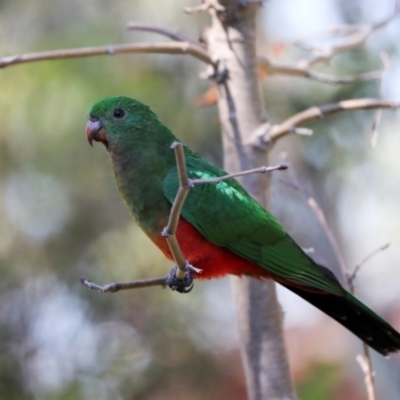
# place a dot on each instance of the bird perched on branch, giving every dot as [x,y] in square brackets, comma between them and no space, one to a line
[222,229]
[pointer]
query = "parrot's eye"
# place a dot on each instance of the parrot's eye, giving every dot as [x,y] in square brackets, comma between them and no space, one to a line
[119,113]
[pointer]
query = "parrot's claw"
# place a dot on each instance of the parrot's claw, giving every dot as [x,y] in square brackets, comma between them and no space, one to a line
[182,286]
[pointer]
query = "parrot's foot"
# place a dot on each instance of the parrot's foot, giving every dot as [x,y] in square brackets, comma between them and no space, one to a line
[180,285]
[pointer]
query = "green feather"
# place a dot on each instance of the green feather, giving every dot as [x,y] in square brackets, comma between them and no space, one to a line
[146,174]
[228,216]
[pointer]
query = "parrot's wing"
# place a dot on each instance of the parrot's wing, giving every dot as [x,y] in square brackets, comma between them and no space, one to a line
[228,216]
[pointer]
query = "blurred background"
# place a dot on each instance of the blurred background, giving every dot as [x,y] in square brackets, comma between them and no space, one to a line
[61,217]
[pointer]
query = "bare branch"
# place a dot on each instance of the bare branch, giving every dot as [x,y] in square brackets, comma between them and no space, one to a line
[164,48]
[184,185]
[303,71]
[352,37]
[366,366]
[115,287]
[351,277]
[319,213]
[170,230]
[261,170]
[174,35]
[268,133]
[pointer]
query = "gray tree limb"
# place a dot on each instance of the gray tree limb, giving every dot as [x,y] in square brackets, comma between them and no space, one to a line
[231,43]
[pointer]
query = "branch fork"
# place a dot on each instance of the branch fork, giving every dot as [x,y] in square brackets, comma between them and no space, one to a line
[217,71]
[266,134]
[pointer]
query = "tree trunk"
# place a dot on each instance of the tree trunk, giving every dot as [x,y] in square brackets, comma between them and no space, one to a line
[231,40]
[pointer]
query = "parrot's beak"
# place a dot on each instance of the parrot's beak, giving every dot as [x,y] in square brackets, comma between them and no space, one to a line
[94,131]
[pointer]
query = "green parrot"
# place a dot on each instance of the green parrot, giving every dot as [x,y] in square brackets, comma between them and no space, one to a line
[222,229]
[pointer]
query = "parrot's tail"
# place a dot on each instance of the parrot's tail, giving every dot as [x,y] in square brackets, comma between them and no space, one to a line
[356,317]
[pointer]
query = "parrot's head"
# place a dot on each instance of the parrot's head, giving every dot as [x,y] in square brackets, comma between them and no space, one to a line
[123,124]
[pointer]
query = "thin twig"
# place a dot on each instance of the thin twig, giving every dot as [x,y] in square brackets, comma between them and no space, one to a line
[353,37]
[352,276]
[365,362]
[115,287]
[169,232]
[261,170]
[303,71]
[319,213]
[268,133]
[165,48]
[174,35]
[366,367]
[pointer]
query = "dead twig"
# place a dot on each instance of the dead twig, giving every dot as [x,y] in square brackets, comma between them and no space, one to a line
[261,170]
[174,35]
[369,375]
[170,230]
[351,37]
[347,37]
[165,48]
[352,276]
[319,213]
[115,287]
[365,361]
[268,133]
[303,71]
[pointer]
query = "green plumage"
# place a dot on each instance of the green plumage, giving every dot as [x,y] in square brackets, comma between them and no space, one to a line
[227,216]
[224,213]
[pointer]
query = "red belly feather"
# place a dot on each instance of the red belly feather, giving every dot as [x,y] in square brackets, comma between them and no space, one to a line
[215,261]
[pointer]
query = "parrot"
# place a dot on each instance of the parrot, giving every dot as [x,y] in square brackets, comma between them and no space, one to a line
[221,229]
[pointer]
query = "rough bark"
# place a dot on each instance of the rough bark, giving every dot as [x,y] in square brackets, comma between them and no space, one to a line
[231,40]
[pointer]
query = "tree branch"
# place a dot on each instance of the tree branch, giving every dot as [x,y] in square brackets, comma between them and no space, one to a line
[319,213]
[304,71]
[261,170]
[115,287]
[164,48]
[353,36]
[352,276]
[169,232]
[174,35]
[231,39]
[369,374]
[267,133]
